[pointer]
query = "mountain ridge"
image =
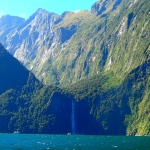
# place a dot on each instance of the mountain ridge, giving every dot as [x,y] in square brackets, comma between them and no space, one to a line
[61,50]
[54,41]
[97,60]
[12,76]
[96,63]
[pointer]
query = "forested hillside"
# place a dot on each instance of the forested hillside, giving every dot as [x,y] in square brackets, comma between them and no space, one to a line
[93,67]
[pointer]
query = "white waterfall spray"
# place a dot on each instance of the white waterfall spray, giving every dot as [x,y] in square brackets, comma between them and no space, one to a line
[73,118]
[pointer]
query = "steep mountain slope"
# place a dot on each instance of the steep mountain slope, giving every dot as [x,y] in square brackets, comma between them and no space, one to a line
[13,74]
[64,49]
[29,35]
[26,105]
[107,49]
[101,45]
[102,104]
[112,106]
[8,24]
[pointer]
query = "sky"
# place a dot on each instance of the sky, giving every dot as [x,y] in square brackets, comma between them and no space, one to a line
[25,8]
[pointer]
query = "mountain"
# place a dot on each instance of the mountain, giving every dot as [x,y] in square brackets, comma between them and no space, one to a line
[102,104]
[64,49]
[113,107]
[13,74]
[27,105]
[8,24]
[99,58]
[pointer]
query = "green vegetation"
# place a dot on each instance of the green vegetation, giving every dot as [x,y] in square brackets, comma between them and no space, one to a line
[103,65]
[115,40]
[111,99]
[104,104]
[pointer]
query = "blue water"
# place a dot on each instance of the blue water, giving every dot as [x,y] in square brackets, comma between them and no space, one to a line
[72,142]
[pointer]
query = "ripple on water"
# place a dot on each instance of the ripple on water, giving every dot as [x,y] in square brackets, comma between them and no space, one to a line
[76,142]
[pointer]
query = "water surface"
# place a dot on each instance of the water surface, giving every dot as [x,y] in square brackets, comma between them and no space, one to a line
[72,142]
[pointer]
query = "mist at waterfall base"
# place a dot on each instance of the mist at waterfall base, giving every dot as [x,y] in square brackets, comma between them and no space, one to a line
[72,142]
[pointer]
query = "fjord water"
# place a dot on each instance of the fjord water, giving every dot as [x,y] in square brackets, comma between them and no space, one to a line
[72,142]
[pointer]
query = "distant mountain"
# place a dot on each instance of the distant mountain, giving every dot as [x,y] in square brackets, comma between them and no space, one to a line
[64,49]
[8,24]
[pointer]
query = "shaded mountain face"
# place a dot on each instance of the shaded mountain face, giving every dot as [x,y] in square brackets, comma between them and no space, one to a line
[26,105]
[112,106]
[60,50]
[102,104]
[13,74]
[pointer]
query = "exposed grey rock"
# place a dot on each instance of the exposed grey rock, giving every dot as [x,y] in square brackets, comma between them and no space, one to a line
[9,23]
[98,7]
[102,6]
[64,49]
[24,42]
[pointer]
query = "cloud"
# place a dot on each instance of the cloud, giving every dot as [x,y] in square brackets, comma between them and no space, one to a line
[1,13]
[23,15]
[76,11]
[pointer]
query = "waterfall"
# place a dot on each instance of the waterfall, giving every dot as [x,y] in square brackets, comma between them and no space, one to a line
[73,117]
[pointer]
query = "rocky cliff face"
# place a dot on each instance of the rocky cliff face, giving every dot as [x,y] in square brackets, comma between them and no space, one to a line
[105,6]
[8,24]
[29,35]
[60,50]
